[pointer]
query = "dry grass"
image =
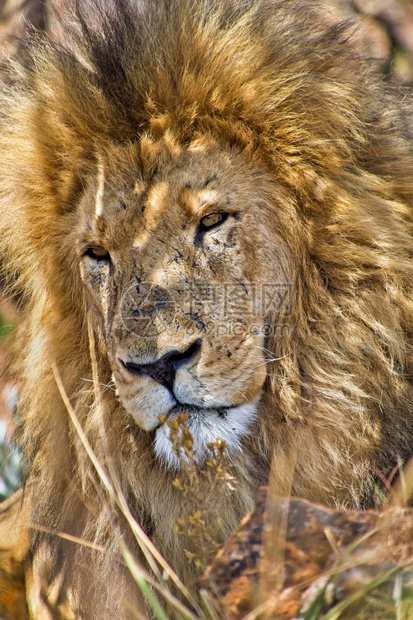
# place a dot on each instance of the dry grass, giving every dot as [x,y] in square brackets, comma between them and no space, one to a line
[370,579]
[363,578]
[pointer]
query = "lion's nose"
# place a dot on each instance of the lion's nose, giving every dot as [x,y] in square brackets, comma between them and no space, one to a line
[164,369]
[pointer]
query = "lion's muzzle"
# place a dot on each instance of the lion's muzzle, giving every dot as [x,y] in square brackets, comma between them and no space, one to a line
[164,369]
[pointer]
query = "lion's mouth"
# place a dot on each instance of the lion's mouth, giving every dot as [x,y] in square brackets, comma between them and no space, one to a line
[205,425]
[191,412]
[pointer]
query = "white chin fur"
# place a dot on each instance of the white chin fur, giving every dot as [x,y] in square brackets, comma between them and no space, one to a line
[206,426]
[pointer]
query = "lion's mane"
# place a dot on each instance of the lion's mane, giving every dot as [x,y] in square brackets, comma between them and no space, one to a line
[280,82]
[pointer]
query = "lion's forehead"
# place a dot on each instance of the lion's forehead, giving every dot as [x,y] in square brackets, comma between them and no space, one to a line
[126,212]
[148,219]
[173,183]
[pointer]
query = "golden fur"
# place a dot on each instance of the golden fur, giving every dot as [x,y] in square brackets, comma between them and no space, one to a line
[150,118]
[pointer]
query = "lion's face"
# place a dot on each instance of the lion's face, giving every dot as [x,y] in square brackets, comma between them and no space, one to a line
[173,254]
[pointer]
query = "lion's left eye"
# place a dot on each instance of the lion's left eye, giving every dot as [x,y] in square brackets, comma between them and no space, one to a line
[212,220]
[98,253]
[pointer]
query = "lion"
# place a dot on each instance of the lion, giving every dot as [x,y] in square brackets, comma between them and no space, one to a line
[206,207]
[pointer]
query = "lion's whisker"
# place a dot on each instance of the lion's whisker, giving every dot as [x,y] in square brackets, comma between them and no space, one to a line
[107,386]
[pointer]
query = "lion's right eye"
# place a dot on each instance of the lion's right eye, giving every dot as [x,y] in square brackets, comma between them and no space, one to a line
[212,220]
[98,253]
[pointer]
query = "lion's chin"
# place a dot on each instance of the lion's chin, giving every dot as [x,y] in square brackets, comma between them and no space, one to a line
[229,425]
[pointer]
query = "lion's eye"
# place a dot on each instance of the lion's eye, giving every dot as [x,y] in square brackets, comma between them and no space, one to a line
[212,220]
[98,253]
